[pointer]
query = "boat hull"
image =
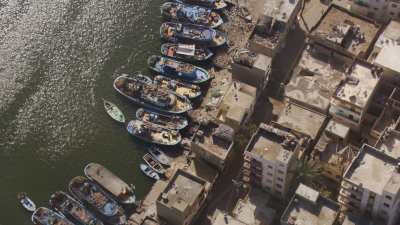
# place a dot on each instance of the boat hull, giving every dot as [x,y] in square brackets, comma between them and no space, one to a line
[214,4]
[191,91]
[45,216]
[205,53]
[113,111]
[175,123]
[149,172]
[133,129]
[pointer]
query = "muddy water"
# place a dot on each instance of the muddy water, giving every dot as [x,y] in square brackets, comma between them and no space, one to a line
[57,61]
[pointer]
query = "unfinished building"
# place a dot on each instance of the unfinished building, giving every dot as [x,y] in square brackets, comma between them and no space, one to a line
[371,186]
[346,32]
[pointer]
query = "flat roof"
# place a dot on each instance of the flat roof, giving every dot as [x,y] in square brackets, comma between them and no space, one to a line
[270,143]
[337,129]
[339,25]
[359,87]
[281,10]
[301,119]
[303,211]
[352,219]
[316,77]
[372,169]
[220,218]
[182,191]
[389,143]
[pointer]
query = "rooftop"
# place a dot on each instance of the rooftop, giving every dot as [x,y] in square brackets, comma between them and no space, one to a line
[389,143]
[387,47]
[281,10]
[254,210]
[301,119]
[307,207]
[372,169]
[359,86]
[342,28]
[317,76]
[220,218]
[182,191]
[273,144]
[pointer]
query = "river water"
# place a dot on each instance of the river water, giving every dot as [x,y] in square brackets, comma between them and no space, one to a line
[58,59]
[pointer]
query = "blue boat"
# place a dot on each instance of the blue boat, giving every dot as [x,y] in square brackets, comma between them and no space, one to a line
[151,96]
[176,32]
[45,216]
[191,14]
[176,69]
[214,4]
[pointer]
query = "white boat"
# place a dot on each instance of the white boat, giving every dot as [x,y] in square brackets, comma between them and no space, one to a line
[160,156]
[153,163]
[149,172]
[26,202]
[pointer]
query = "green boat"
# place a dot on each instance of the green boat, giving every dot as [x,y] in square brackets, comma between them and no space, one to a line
[113,111]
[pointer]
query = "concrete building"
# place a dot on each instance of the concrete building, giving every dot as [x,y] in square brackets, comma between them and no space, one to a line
[278,17]
[237,105]
[182,199]
[220,218]
[254,209]
[270,156]
[308,207]
[389,141]
[381,11]
[332,152]
[371,186]
[319,72]
[346,32]
[387,51]
[350,103]
[353,219]
[214,143]
[252,69]
[298,119]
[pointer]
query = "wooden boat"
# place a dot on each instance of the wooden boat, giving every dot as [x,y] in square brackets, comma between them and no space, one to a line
[113,111]
[186,52]
[45,216]
[173,122]
[214,4]
[73,209]
[26,202]
[151,96]
[191,14]
[149,172]
[159,155]
[176,69]
[98,200]
[177,32]
[139,76]
[153,133]
[121,191]
[153,163]
[189,90]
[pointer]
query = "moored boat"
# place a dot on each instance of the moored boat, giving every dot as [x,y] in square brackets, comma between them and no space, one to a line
[140,77]
[186,52]
[177,69]
[153,133]
[191,14]
[26,202]
[214,4]
[151,96]
[122,192]
[153,163]
[173,122]
[175,32]
[45,216]
[73,209]
[149,172]
[113,111]
[189,90]
[88,192]
[159,155]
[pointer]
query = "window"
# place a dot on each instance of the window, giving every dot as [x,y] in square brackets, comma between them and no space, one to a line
[392,13]
[269,166]
[279,186]
[280,171]
[280,179]
[388,197]
[386,205]
[269,174]
[394,6]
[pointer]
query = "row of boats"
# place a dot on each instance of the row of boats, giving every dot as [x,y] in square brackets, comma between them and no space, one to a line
[97,197]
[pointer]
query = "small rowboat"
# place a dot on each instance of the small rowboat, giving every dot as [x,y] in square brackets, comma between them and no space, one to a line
[113,111]
[173,122]
[149,172]
[160,156]
[45,216]
[186,52]
[177,69]
[191,91]
[26,202]
[153,163]
[153,133]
